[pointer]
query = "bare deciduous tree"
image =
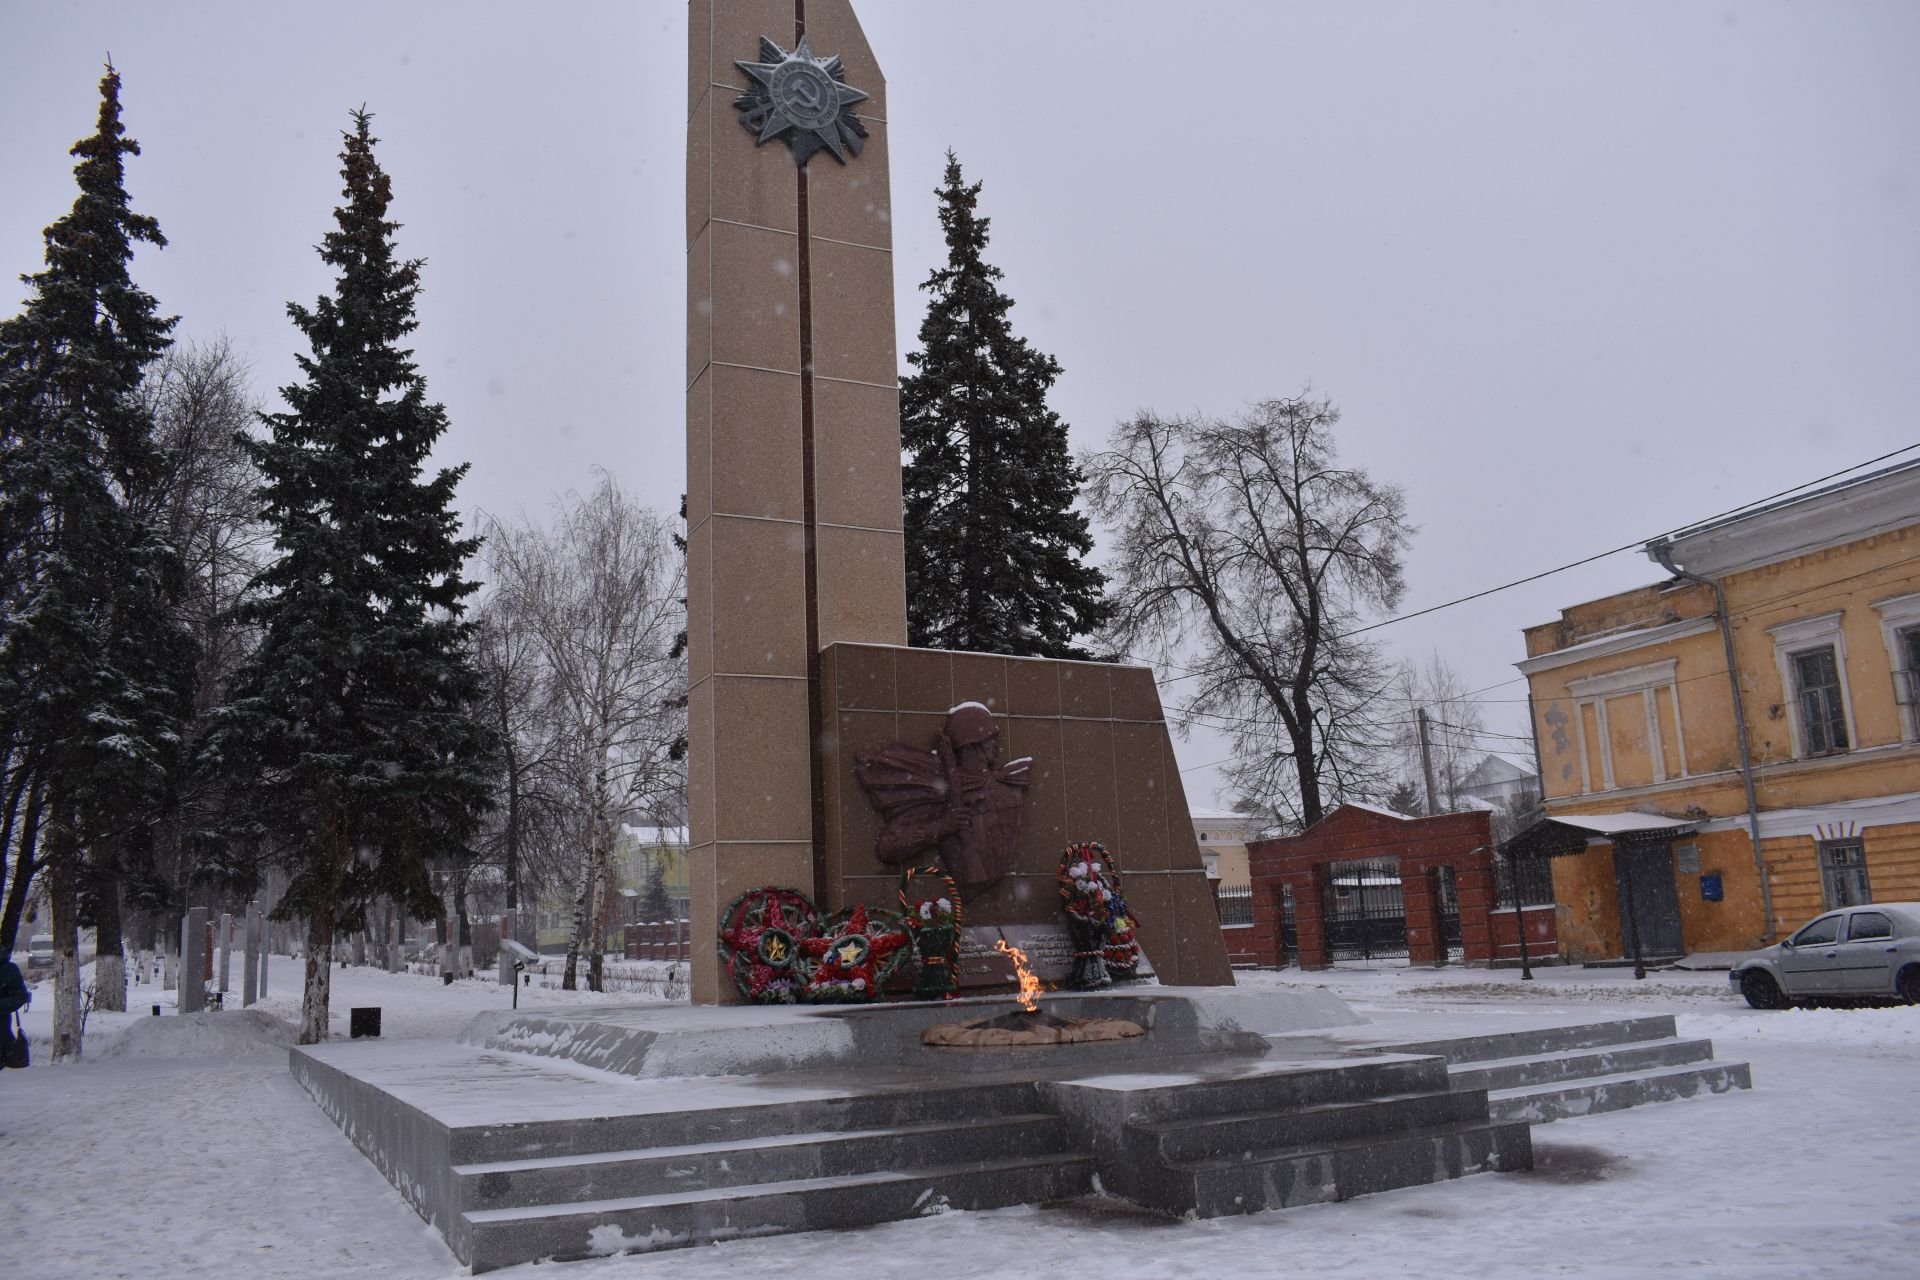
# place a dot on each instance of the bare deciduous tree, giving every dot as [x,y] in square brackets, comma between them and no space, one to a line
[1247,539]
[601,594]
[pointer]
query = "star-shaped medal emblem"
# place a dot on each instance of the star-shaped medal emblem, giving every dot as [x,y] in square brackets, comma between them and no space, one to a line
[805,97]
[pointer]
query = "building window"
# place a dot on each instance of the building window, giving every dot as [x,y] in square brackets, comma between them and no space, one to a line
[1812,657]
[1906,679]
[1900,624]
[1823,717]
[1843,873]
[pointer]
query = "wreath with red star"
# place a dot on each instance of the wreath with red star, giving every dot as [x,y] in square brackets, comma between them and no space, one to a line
[763,937]
[854,955]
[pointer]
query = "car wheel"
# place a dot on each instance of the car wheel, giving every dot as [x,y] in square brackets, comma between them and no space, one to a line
[1761,991]
[1909,984]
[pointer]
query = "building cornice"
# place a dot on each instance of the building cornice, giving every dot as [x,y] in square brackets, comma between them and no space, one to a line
[1833,517]
[1607,646]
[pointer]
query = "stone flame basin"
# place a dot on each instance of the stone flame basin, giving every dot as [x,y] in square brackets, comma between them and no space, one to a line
[1025,1027]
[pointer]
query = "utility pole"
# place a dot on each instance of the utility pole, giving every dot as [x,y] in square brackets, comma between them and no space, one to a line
[1426,761]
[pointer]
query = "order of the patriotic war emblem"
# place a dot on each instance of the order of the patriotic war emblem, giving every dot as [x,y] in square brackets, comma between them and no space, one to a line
[805,97]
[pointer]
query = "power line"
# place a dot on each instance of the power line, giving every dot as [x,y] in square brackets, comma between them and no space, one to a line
[1641,542]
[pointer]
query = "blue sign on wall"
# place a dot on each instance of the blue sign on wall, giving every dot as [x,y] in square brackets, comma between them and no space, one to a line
[1711,890]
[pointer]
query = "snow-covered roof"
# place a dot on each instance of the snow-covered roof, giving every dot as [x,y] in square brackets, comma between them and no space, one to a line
[1613,824]
[1373,808]
[1497,766]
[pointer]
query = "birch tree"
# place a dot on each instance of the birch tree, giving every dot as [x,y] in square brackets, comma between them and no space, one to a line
[602,591]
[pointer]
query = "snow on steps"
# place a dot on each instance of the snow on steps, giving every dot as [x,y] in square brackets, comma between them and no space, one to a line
[640,1224]
[514,1158]
[1544,1074]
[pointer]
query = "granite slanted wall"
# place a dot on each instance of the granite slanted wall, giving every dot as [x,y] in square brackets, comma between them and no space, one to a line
[1103,770]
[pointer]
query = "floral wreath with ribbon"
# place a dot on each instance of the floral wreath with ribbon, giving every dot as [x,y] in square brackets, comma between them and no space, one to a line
[934,923]
[1089,884]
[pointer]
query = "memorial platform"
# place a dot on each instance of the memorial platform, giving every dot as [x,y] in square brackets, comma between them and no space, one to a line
[561,1135]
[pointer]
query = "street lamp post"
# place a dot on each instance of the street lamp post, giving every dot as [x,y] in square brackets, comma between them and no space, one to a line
[1519,917]
[1633,922]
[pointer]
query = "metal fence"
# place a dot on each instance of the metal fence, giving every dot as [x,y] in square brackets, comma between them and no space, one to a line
[669,940]
[1236,904]
[1534,876]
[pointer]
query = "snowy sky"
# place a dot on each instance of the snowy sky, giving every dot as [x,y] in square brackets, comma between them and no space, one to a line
[1576,274]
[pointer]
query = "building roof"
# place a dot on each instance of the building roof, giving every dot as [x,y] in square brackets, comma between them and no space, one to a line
[1845,511]
[1496,767]
[1569,833]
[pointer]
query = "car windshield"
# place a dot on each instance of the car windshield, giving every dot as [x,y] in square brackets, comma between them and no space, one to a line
[1825,929]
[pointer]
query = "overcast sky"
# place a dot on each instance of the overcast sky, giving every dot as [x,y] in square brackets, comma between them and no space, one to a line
[1575,274]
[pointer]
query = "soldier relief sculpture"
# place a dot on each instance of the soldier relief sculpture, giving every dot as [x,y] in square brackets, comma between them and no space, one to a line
[951,799]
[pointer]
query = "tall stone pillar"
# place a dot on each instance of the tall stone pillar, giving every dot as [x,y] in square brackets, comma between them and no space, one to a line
[193,962]
[793,434]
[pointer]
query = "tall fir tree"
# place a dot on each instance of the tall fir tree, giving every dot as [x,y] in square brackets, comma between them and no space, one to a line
[356,729]
[995,550]
[94,671]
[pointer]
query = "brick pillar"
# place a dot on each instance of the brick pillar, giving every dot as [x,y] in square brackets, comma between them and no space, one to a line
[1473,882]
[1420,892]
[1309,917]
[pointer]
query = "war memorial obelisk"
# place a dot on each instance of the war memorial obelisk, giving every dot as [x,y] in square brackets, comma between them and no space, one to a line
[796,595]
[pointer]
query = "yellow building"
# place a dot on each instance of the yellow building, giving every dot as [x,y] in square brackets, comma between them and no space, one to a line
[635,852]
[1222,836]
[1714,838]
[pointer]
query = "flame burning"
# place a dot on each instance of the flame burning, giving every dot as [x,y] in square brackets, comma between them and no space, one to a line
[1029,985]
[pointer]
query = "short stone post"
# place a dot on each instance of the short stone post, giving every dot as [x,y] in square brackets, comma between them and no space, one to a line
[193,962]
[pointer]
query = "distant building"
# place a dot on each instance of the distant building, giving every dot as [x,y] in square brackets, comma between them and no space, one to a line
[1223,838]
[1501,779]
[1675,825]
[636,851]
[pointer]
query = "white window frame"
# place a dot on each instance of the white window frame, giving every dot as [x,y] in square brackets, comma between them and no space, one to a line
[1647,680]
[1898,616]
[1800,636]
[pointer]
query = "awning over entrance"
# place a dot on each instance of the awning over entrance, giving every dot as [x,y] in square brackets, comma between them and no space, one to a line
[1552,837]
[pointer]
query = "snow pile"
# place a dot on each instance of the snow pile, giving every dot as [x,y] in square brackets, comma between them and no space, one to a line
[235,1033]
[1892,1029]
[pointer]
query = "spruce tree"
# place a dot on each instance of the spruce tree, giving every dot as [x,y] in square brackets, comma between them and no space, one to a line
[995,550]
[355,730]
[94,672]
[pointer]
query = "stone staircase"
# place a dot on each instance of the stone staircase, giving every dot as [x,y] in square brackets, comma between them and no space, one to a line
[1293,1135]
[583,1188]
[1551,1073]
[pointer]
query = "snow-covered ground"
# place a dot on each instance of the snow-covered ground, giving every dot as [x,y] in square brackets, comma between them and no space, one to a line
[183,1147]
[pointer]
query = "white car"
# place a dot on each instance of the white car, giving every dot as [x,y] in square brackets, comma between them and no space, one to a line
[39,954]
[1868,952]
